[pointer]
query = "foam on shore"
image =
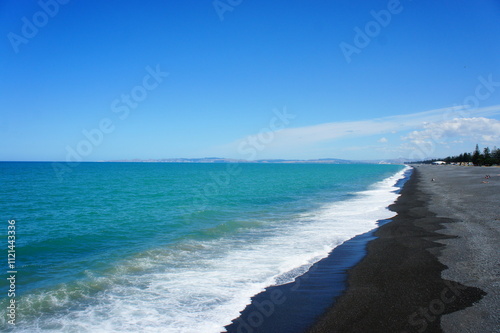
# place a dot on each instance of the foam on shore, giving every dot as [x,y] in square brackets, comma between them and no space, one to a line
[201,285]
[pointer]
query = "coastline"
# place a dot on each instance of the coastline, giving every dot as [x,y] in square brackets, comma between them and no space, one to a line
[294,307]
[432,269]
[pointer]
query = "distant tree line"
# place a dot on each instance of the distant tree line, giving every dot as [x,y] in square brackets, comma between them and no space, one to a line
[486,157]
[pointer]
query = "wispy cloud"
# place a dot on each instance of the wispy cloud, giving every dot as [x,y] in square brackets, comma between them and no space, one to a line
[308,138]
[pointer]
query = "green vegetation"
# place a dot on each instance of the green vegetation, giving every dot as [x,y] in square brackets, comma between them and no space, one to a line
[486,157]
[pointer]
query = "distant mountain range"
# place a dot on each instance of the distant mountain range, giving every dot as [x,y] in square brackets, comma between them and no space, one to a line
[281,161]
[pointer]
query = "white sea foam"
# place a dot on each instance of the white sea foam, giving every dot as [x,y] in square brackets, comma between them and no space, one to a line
[200,286]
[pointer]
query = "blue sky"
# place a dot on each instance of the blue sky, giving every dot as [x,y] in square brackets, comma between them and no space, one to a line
[105,80]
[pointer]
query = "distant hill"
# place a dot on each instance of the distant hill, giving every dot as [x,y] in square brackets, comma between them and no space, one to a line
[281,161]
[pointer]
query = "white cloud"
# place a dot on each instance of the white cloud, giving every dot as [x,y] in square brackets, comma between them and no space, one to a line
[477,129]
[382,140]
[304,141]
[301,136]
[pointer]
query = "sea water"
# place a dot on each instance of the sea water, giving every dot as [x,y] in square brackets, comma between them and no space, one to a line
[173,247]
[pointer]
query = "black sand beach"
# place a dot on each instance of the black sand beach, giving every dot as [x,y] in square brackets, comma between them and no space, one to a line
[434,268]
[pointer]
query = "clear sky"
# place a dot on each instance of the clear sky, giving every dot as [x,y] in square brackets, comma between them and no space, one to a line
[353,79]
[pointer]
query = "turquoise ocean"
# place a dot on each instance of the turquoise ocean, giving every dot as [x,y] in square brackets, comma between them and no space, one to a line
[173,247]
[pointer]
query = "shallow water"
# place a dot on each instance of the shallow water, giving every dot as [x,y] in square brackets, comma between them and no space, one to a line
[159,247]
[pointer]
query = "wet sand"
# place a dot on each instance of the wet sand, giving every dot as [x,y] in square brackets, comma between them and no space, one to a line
[435,267]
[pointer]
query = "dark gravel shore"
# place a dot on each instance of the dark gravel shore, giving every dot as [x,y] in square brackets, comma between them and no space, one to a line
[473,258]
[435,268]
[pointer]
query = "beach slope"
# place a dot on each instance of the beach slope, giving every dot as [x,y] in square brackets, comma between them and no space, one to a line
[434,268]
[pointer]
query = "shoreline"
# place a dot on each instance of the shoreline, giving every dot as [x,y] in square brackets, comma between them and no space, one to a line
[293,307]
[433,268]
[409,280]
[307,297]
